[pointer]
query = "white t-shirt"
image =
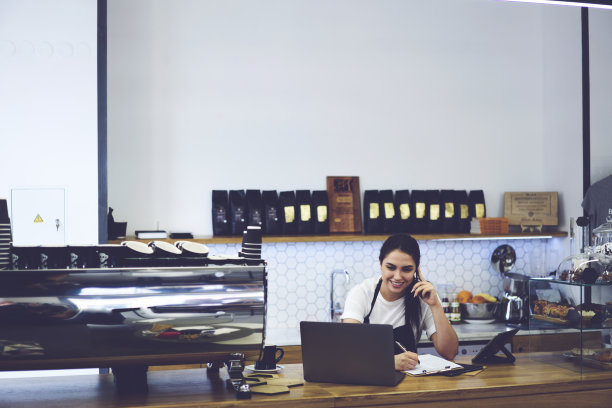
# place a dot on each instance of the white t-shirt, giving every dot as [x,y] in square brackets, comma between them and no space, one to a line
[359,299]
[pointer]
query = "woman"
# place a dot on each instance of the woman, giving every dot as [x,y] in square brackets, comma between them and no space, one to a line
[403,298]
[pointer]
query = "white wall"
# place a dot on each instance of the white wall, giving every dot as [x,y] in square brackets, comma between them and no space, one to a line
[600,26]
[48,105]
[279,94]
[562,109]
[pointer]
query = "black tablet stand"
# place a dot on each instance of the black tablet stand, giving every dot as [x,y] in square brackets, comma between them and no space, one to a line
[488,355]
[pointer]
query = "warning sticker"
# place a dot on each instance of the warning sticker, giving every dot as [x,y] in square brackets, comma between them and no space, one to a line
[38,218]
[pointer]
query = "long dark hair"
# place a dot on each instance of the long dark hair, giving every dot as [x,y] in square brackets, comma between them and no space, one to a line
[410,246]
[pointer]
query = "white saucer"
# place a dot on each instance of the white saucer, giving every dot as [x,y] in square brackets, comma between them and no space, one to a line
[278,369]
[476,321]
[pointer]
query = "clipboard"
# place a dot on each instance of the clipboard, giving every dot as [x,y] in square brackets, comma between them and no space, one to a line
[430,365]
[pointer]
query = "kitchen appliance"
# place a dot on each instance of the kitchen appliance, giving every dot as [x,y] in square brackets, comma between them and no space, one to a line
[515,302]
[514,306]
[130,318]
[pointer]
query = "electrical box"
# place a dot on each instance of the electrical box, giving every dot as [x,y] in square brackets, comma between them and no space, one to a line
[38,216]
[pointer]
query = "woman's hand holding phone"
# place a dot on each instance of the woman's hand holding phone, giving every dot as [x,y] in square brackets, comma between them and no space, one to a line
[424,289]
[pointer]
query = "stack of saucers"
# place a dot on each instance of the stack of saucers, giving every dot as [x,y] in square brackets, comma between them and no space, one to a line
[5,236]
[251,243]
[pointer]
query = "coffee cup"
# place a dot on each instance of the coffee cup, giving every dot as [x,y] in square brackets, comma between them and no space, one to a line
[165,254]
[192,253]
[137,254]
[252,235]
[271,356]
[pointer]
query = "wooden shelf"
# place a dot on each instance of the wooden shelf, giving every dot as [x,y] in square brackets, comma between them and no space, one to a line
[362,237]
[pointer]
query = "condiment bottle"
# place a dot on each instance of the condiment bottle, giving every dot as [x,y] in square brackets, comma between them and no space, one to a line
[446,306]
[455,313]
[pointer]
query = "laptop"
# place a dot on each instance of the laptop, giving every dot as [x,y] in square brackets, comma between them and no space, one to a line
[345,353]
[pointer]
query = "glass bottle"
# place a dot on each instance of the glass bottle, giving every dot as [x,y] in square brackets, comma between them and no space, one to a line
[446,306]
[455,312]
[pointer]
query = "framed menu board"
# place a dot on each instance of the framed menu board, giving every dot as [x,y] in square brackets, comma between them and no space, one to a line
[531,208]
[344,204]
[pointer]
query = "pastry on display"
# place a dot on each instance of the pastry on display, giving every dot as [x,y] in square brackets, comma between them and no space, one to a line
[604,355]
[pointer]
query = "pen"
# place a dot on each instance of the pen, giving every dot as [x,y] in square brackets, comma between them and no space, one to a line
[404,350]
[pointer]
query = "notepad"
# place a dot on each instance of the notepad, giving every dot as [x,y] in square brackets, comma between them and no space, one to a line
[430,364]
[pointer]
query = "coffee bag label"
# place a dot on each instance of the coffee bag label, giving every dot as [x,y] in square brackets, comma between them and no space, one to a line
[420,210]
[321,213]
[480,210]
[404,211]
[449,210]
[305,212]
[289,214]
[389,210]
[374,210]
[465,211]
[434,212]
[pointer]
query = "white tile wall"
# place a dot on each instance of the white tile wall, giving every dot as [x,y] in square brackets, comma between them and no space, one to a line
[299,273]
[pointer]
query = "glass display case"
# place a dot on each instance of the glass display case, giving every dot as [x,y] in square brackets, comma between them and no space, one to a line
[564,307]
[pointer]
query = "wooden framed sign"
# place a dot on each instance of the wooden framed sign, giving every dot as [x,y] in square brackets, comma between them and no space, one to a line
[344,204]
[533,209]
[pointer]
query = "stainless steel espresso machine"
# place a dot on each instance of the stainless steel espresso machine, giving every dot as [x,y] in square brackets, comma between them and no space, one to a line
[130,318]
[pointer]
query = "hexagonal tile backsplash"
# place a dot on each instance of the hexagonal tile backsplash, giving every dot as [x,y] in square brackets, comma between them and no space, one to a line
[300,273]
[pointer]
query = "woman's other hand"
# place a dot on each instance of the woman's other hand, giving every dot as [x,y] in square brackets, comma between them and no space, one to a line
[406,361]
[425,290]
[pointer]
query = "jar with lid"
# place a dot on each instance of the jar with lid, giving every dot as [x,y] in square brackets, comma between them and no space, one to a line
[455,312]
[602,238]
[589,267]
[446,306]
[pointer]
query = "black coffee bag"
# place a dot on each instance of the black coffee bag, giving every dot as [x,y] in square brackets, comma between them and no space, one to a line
[238,211]
[449,212]
[254,208]
[303,205]
[220,213]
[388,215]
[421,211]
[320,206]
[434,221]
[273,213]
[477,204]
[287,204]
[463,206]
[371,212]
[403,211]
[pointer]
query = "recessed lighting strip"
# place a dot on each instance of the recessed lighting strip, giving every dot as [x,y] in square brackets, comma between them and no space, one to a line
[490,238]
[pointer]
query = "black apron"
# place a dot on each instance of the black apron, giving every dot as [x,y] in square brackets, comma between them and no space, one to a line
[402,334]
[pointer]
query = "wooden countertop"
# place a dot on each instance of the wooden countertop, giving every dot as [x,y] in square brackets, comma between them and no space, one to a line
[542,379]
